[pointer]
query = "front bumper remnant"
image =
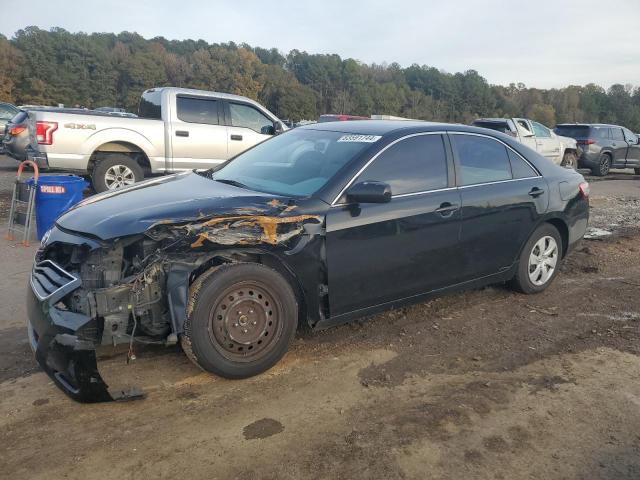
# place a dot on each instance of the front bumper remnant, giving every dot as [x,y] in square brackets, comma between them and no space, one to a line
[62,340]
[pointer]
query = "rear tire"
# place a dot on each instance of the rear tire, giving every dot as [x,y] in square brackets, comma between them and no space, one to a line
[604,165]
[539,261]
[115,171]
[241,319]
[570,160]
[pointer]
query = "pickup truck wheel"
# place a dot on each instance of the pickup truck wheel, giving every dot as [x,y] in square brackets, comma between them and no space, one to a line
[115,171]
[241,319]
[604,165]
[539,261]
[570,160]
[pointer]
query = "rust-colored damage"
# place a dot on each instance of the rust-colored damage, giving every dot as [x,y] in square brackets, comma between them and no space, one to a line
[249,229]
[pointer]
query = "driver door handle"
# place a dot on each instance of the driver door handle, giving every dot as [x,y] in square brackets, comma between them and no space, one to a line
[536,192]
[446,209]
[182,133]
[236,137]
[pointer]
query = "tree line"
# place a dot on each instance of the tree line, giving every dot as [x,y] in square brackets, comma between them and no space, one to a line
[105,69]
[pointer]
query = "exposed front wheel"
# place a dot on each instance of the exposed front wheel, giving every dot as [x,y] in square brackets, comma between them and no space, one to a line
[115,171]
[570,160]
[241,319]
[539,260]
[604,165]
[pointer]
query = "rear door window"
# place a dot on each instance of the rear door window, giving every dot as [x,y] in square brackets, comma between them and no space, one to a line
[481,160]
[416,164]
[601,133]
[616,134]
[249,117]
[197,110]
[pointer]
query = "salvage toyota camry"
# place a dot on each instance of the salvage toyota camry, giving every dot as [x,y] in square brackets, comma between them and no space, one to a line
[319,225]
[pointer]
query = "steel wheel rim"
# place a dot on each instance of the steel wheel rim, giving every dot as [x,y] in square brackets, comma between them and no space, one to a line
[119,176]
[245,322]
[543,260]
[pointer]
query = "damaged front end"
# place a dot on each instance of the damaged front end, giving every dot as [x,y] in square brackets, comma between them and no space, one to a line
[87,294]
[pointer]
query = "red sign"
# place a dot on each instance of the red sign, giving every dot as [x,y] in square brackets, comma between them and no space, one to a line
[52,189]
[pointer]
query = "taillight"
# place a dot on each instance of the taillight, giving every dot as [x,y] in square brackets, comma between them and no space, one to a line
[584,189]
[16,130]
[44,132]
[588,141]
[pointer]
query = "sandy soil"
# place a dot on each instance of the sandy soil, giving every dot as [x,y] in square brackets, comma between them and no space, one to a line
[486,384]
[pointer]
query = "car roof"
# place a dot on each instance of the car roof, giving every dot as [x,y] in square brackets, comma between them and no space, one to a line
[587,125]
[493,120]
[386,127]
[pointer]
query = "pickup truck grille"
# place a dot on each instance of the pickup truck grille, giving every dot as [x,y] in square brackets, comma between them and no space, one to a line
[50,282]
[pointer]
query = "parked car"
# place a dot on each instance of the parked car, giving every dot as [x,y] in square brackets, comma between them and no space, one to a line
[604,146]
[179,129]
[559,149]
[7,112]
[330,117]
[16,138]
[320,225]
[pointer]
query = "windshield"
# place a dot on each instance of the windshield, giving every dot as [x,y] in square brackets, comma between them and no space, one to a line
[297,163]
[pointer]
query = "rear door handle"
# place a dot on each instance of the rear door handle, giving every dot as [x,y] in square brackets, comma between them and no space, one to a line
[536,192]
[236,137]
[446,209]
[182,133]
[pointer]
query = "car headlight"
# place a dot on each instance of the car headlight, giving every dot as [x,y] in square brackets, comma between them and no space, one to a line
[45,238]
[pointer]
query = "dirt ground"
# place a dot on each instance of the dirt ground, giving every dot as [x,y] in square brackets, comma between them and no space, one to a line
[486,384]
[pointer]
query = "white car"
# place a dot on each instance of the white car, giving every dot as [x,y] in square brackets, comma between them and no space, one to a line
[560,150]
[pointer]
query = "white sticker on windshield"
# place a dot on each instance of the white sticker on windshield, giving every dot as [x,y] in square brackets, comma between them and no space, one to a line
[360,138]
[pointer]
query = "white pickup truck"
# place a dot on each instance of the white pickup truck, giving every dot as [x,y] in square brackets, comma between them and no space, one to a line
[176,129]
[560,150]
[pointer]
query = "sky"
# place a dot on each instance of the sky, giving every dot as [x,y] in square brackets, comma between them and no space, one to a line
[540,43]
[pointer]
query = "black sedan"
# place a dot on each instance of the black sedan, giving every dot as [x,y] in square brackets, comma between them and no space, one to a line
[319,225]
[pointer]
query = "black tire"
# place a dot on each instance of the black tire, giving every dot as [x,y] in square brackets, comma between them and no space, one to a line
[636,171]
[241,319]
[115,162]
[570,160]
[522,281]
[604,165]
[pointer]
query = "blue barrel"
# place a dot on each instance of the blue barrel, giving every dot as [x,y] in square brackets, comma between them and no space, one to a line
[55,195]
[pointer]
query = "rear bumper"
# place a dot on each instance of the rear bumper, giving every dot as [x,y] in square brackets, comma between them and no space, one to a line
[63,341]
[589,160]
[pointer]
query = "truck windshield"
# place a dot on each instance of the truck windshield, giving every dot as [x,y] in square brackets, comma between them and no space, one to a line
[297,163]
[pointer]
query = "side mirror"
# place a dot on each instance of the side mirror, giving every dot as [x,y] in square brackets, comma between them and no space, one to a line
[268,130]
[369,192]
[278,128]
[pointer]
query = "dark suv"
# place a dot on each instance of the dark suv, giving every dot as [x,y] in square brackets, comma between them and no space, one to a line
[604,146]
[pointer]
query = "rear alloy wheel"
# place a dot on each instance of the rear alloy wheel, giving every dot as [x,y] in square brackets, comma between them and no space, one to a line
[604,165]
[241,319]
[539,260]
[116,171]
[570,160]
